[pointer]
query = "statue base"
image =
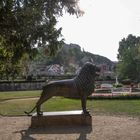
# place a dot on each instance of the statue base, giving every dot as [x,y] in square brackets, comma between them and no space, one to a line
[63,118]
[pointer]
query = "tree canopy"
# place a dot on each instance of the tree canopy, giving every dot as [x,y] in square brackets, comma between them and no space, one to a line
[27,24]
[129,58]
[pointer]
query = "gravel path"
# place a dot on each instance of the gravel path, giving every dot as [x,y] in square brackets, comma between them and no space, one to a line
[103,128]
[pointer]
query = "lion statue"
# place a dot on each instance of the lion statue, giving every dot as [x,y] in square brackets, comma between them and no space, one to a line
[81,86]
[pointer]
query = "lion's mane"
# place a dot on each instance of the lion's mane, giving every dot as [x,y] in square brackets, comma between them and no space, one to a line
[86,78]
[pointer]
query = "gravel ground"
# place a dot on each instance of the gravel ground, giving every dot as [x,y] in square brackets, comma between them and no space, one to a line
[103,128]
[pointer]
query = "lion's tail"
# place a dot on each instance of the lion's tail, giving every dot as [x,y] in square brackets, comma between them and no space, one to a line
[29,113]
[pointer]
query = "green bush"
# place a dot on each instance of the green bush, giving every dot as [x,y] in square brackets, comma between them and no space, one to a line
[103,91]
[117,85]
[126,81]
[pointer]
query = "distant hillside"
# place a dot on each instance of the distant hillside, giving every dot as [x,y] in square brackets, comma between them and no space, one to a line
[73,55]
[70,57]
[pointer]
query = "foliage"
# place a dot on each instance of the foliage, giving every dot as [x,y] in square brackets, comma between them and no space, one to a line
[103,91]
[11,63]
[117,85]
[126,82]
[27,24]
[24,65]
[8,65]
[129,58]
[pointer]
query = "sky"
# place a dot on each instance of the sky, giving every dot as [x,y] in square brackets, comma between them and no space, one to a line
[104,24]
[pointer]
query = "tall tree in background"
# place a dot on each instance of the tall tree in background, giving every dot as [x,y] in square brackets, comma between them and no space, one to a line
[26,24]
[129,58]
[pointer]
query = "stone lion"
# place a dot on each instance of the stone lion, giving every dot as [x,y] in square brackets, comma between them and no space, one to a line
[81,86]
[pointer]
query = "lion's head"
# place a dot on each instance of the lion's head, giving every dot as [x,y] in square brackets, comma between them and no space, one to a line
[86,78]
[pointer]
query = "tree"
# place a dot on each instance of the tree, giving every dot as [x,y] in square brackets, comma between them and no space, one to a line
[129,58]
[27,24]
[8,67]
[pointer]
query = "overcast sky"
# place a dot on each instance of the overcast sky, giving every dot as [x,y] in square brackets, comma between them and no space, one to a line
[103,25]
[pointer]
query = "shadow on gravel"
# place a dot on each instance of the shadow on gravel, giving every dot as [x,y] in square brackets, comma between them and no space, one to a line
[82,130]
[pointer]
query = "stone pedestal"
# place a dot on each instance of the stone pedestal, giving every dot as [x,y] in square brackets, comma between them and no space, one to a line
[63,118]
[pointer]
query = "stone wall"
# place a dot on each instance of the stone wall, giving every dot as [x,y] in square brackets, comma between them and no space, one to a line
[17,86]
[30,85]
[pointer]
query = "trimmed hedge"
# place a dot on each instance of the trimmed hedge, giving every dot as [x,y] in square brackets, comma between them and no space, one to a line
[103,91]
[115,96]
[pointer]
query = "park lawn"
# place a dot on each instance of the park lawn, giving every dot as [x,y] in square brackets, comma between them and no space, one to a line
[130,107]
[108,107]
[19,94]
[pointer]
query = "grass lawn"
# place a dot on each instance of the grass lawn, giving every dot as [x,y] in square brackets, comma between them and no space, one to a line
[19,94]
[111,107]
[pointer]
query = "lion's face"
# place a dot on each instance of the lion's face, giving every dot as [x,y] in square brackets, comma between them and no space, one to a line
[92,69]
